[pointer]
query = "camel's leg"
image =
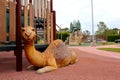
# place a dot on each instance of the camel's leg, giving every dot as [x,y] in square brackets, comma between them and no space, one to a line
[32,67]
[46,69]
[51,65]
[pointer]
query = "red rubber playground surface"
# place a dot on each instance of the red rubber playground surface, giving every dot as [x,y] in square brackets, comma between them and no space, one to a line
[92,65]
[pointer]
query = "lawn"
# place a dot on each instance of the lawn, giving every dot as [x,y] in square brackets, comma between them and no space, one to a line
[110,49]
[98,44]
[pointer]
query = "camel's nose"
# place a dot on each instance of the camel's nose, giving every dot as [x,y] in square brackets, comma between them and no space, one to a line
[28,33]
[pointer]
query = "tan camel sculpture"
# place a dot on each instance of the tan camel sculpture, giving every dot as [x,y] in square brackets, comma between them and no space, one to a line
[56,55]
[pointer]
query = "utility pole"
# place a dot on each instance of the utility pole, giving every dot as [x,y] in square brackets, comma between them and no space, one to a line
[92,14]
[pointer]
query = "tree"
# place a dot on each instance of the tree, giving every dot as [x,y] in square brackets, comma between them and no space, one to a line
[111,31]
[102,28]
[86,34]
[78,25]
[65,29]
[75,25]
[71,27]
[115,31]
[102,31]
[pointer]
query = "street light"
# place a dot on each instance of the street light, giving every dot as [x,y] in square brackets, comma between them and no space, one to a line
[93,42]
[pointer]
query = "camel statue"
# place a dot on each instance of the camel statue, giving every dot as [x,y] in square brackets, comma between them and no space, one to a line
[56,55]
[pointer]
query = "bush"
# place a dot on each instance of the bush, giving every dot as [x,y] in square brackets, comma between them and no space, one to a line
[64,35]
[112,38]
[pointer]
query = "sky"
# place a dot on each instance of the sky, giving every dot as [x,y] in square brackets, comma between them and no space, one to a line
[107,11]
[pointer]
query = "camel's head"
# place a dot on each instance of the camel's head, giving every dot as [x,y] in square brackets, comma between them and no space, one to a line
[28,33]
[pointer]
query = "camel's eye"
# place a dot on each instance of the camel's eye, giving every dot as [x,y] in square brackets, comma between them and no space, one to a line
[23,30]
[33,29]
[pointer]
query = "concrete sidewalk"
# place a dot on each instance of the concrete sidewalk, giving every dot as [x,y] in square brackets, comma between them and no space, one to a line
[94,50]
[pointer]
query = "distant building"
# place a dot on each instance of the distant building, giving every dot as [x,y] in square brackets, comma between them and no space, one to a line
[118,31]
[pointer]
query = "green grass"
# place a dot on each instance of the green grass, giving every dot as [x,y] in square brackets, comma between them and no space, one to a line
[99,44]
[112,43]
[110,49]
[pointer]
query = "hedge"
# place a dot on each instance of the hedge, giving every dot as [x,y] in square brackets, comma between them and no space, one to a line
[64,35]
[112,38]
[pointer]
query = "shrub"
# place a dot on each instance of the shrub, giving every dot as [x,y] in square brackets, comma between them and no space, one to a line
[112,38]
[64,35]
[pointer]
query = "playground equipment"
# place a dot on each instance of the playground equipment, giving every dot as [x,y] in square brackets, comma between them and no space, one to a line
[15,14]
[75,37]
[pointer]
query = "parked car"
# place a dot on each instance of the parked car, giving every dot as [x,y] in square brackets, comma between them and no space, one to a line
[117,40]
